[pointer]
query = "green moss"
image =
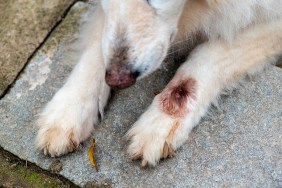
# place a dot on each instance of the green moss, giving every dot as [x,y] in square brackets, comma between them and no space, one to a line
[24,177]
[36,179]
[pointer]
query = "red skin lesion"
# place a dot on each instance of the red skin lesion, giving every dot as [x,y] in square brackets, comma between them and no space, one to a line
[176,95]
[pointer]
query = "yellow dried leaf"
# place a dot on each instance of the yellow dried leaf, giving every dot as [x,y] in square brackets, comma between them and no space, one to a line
[91,154]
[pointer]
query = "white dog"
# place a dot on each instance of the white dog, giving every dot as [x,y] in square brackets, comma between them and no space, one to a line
[129,39]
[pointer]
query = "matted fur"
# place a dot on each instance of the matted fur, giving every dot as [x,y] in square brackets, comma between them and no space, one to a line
[241,38]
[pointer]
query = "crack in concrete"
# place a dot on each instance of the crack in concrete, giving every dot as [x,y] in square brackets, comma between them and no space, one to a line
[37,48]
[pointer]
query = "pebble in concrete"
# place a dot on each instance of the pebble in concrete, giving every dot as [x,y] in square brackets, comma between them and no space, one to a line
[237,145]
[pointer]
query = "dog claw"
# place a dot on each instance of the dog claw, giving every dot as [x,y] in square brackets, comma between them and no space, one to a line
[45,151]
[168,151]
[144,163]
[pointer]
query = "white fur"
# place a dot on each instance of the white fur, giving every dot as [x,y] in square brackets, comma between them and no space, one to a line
[69,117]
[215,66]
[242,37]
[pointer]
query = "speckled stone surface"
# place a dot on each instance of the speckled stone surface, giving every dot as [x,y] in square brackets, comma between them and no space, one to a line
[23,26]
[237,145]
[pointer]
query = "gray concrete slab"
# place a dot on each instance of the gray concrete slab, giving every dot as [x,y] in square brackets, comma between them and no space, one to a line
[24,24]
[238,145]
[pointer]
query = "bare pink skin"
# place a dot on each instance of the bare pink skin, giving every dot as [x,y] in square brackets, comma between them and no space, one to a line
[176,95]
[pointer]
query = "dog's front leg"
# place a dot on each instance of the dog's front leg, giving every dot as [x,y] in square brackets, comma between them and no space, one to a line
[213,67]
[68,118]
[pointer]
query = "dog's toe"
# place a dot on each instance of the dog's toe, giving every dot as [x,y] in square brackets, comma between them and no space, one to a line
[152,137]
[150,148]
[55,141]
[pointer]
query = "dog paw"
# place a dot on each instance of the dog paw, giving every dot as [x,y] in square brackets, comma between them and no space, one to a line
[56,141]
[64,124]
[152,137]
